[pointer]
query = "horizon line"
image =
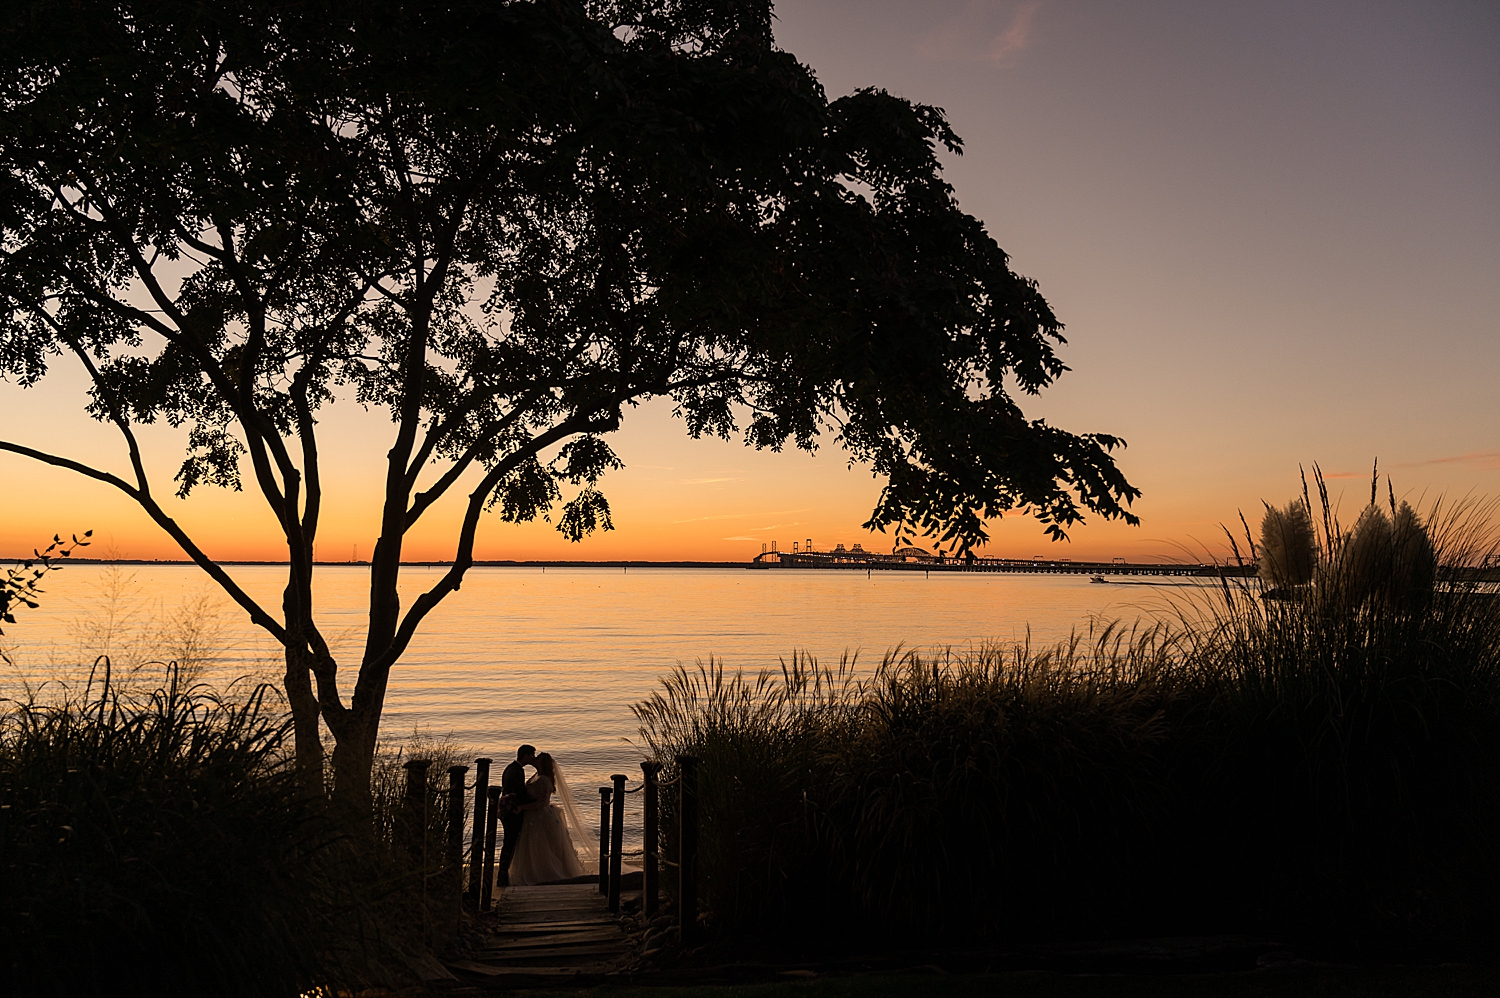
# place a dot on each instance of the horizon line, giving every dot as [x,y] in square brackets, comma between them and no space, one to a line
[513,562]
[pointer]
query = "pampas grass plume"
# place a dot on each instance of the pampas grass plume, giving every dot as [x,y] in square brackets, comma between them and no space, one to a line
[1365,561]
[1289,547]
[1413,561]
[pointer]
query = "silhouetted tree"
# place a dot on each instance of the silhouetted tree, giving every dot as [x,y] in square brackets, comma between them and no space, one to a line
[502,223]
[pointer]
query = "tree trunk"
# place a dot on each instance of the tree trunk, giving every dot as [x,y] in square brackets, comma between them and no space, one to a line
[356,731]
[306,731]
[353,760]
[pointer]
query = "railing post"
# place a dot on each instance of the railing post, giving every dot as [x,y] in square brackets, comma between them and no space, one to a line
[413,829]
[687,863]
[414,812]
[604,793]
[616,842]
[649,886]
[476,842]
[454,860]
[491,819]
[453,851]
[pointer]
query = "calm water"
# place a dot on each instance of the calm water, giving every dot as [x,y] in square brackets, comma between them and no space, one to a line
[556,656]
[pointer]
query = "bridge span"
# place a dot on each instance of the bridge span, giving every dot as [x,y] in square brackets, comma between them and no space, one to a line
[923,562]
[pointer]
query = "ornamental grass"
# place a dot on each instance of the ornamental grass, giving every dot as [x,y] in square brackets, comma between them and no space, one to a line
[155,841]
[1323,765]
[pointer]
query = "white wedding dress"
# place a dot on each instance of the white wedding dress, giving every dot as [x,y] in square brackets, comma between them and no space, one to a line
[547,849]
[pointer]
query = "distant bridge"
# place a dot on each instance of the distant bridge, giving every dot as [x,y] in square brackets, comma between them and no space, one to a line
[922,562]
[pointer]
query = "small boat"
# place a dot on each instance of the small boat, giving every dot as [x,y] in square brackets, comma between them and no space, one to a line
[1098,578]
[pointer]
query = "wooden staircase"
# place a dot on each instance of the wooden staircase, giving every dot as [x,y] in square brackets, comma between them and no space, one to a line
[555,933]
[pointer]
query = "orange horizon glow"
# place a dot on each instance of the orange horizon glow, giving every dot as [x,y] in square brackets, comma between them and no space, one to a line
[676,500]
[1271,244]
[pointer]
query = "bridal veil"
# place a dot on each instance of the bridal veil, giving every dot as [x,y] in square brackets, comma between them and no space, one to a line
[584,839]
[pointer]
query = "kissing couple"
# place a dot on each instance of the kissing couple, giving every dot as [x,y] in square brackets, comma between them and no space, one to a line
[544,832]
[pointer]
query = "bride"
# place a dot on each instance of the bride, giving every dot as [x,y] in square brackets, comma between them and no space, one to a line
[548,848]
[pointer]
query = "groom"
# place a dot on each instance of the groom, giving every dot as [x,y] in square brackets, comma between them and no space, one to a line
[512,795]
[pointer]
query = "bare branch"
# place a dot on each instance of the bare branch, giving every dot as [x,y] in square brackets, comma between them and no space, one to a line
[146,502]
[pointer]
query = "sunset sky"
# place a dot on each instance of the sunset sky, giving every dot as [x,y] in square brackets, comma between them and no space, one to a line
[1272,230]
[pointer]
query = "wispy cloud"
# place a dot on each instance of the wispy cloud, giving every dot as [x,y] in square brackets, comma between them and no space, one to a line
[764,530]
[707,481]
[1489,460]
[744,516]
[1014,38]
[1485,460]
[987,31]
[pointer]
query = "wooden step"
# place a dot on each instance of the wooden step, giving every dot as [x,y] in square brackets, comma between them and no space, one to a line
[562,954]
[548,933]
[534,943]
[544,928]
[514,976]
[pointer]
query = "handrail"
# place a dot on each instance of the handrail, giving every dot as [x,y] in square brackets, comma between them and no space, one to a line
[611,834]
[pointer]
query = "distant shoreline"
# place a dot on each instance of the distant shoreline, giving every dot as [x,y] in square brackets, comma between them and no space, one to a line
[1064,566]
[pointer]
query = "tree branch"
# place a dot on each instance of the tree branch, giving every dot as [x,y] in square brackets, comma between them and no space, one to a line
[431,495]
[464,557]
[207,363]
[207,249]
[307,434]
[447,426]
[111,404]
[259,432]
[146,502]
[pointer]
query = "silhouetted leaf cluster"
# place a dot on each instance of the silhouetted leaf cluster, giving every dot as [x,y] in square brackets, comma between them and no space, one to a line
[21,584]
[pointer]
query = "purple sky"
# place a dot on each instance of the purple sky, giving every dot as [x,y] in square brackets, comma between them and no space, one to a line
[1272,229]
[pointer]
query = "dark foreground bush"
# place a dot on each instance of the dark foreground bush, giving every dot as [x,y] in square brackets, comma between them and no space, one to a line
[1346,736]
[1326,765]
[155,844]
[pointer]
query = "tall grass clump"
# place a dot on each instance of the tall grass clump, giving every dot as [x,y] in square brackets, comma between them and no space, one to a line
[1349,730]
[1288,545]
[155,843]
[388,787]
[1313,754]
[970,791]
[762,741]
[940,795]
